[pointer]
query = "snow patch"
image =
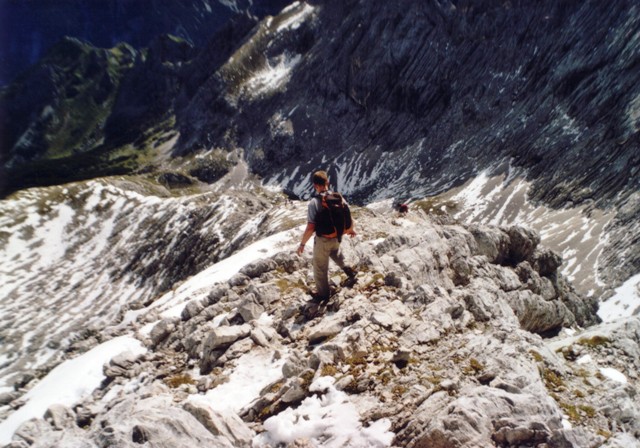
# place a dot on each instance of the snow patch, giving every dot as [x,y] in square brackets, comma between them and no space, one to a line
[625,302]
[253,372]
[272,77]
[297,18]
[68,383]
[614,375]
[200,284]
[586,359]
[330,420]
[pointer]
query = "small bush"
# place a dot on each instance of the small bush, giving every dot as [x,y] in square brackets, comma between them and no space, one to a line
[178,380]
[552,380]
[594,341]
[537,356]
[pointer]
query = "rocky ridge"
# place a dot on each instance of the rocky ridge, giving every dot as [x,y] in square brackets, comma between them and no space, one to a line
[452,336]
[418,98]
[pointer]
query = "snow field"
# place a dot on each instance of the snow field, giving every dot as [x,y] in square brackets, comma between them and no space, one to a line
[68,383]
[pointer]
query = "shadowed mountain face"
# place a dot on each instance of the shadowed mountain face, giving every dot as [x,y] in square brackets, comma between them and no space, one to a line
[549,86]
[30,27]
[444,89]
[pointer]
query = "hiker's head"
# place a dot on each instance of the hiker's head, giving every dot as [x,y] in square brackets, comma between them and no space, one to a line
[320,179]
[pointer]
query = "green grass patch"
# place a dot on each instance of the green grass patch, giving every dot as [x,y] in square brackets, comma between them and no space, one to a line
[436,206]
[552,380]
[536,356]
[474,367]
[329,370]
[594,341]
[176,381]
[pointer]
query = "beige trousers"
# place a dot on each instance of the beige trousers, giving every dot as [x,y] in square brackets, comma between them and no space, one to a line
[323,249]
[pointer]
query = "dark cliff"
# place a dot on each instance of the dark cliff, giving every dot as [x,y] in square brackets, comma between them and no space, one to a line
[549,86]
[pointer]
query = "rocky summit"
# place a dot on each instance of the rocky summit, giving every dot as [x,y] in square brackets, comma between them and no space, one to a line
[451,335]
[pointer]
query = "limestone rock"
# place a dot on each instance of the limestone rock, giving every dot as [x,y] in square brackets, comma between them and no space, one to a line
[162,330]
[328,327]
[228,425]
[392,316]
[60,417]
[482,416]
[225,335]
[154,421]
[259,267]
[125,364]
[249,309]
[265,294]
[491,242]
[523,242]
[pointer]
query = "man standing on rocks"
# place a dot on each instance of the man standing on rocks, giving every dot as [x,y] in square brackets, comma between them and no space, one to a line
[328,216]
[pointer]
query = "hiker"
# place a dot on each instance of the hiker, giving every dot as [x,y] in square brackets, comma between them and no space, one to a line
[401,207]
[329,218]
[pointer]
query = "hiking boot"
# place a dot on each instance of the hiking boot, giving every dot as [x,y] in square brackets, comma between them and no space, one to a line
[317,297]
[351,273]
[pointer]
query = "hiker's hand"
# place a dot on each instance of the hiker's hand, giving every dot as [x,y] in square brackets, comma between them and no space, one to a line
[300,249]
[351,233]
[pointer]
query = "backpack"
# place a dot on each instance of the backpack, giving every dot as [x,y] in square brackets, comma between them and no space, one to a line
[334,216]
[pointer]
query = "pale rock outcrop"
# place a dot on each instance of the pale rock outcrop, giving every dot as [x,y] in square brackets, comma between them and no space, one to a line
[458,335]
[227,424]
[154,421]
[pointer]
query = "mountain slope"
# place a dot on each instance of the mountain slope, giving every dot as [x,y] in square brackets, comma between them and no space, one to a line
[445,336]
[456,86]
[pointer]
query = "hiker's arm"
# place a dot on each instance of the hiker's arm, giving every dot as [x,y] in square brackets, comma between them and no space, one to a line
[308,233]
[350,231]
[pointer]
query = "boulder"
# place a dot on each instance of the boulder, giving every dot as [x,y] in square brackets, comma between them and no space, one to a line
[392,316]
[163,329]
[227,424]
[522,243]
[217,293]
[32,431]
[485,415]
[153,421]
[538,315]
[125,364]
[265,295]
[546,262]
[60,417]
[249,309]
[326,328]
[491,242]
[226,335]
[259,267]
[193,308]
[263,336]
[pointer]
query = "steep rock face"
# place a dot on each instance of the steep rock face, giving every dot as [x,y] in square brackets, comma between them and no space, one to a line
[414,99]
[462,85]
[59,107]
[431,343]
[84,112]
